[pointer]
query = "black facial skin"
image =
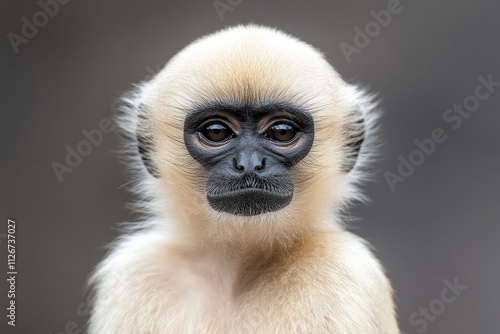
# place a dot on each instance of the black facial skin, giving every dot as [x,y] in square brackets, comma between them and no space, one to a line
[247,152]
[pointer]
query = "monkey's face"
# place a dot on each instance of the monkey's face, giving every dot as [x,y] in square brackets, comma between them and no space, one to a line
[249,126]
[247,152]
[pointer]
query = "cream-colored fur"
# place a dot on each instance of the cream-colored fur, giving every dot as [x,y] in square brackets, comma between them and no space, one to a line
[190,269]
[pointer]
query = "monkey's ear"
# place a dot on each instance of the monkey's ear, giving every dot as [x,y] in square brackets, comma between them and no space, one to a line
[145,141]
[132,116]
[361,141]
[354,136]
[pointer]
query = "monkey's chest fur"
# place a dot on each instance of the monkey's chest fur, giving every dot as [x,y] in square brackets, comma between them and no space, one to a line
[328,284]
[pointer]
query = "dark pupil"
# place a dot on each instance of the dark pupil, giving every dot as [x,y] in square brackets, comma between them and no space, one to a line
[216,132]
[282,132]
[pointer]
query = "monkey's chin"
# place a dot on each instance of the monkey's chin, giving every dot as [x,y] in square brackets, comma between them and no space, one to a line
[249,202]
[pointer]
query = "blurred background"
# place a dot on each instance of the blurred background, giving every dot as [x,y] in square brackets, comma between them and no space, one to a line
[63,68]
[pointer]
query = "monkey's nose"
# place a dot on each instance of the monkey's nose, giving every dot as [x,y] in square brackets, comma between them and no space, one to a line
[249,162]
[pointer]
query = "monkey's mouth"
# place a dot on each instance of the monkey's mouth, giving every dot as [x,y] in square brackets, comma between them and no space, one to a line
[249,196]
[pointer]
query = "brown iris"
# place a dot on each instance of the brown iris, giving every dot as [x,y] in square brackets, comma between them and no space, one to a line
[216,132]
[281,132]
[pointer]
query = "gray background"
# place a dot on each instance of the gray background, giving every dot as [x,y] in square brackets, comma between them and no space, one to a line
[441,223]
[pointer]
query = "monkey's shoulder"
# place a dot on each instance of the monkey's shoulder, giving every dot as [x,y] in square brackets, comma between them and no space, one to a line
[333,283]
[142,286]
[336,259]
[350,252]
[139,256]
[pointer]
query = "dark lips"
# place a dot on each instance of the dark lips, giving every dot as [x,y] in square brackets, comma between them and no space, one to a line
[250,201]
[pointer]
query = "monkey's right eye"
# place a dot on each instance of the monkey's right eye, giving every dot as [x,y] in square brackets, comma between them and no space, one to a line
[216,132]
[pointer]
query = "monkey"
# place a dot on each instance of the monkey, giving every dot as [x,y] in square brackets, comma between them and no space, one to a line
[246,149]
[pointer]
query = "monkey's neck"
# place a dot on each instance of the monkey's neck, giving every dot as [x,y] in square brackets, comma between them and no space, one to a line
[246,242]
[237,267]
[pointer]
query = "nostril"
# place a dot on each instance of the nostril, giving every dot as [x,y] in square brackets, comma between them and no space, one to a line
[261,166]
[237,166]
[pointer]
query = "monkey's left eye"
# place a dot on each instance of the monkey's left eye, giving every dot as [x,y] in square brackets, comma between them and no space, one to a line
[281,132]
[216,132]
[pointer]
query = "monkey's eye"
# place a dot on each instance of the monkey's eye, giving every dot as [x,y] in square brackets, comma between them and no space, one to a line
[281,132]
[216,132]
